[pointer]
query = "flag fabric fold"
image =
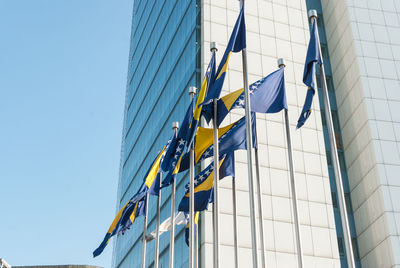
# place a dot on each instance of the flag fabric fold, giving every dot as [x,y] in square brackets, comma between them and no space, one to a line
[230,138]
[267,95]
[208,80]
[174,153]
[187,231]
[204,183]
[124,218]
[236,43]
[165,226]
[309,76]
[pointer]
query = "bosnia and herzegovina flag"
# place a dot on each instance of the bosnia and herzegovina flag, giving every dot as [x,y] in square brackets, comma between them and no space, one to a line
[204,183]
[267,95]
[230,138]
[236,43]
[125,218]
[196,221]
[309,77]
[153,176]
[208,81]
[173,154]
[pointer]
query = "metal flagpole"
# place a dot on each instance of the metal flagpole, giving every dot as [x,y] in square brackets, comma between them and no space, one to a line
[312,14]
[235,240]
[281,64]
[249,155]
[175,126]
[145,232]
[260,212]
[156,252]
[216,179]
[192,92]
[196,247]
[213,49]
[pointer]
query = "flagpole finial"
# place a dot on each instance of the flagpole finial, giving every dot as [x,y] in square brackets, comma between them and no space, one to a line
[175,125]
[192,90]
[312,13]
[213,46]
[281,63]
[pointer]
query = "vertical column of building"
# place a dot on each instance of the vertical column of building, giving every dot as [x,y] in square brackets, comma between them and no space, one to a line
[275,29]
[364,45]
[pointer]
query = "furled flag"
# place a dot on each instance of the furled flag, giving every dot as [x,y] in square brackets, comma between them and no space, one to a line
[125,218]
[236,43]
[309,77]
[196,221]
[208,80]
[204,182]
[174,153]
[230,138]
[267,95]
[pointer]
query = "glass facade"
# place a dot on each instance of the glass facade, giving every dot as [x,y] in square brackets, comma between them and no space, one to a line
[316,4]
[164,60]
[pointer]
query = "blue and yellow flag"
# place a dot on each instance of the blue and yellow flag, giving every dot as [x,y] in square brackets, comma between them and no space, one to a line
[174,153]
[267,95]
[196,221]
[230,138]
[309,76]
[153,176]
[204,183]
[124,218]
[236,43]
[208,80]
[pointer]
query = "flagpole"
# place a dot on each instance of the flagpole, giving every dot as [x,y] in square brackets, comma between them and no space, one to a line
[213,49]
[249,155]
[260,211]
[281,64]
[175,127]
[144,232]
[235,240]
[156,252]
[192,92]
[312,14]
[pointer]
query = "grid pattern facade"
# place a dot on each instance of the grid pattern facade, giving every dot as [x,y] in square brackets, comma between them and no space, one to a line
[364,45]
[162,65]
[275,29]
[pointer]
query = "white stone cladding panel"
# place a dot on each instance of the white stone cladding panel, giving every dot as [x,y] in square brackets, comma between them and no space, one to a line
[275,29]
[363,41]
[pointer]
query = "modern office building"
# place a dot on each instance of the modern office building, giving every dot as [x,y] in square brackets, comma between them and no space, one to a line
[360,40]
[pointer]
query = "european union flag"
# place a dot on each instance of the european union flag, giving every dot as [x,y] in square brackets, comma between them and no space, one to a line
[267,95]
[196,221]
[309,77]
[236,43]
[174,153]
[204,183]
[124,218]
[207,83]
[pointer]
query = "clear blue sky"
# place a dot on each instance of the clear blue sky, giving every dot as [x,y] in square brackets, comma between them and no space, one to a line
[63,68]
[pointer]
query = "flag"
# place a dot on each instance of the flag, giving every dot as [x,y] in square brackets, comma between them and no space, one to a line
[204,183]
[267,95]
[230,138]
[236,43]
[187,231]
[174,153]
[153,175]
[124,218]
[208,80]
[309,76]
[165,226]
